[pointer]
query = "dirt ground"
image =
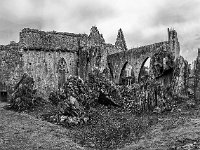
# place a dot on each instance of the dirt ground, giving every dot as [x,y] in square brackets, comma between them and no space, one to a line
[177,130]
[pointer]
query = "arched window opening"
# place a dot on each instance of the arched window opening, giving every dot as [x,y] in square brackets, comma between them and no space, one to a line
[111,71]
[127,76]
[62,71]
[144,70]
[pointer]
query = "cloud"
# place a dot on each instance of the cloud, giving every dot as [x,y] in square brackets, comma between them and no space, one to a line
[143,22]
[76,16]
[198,38]
[181,15]
[176,12]
[10,28]
[15,17]
[91,12]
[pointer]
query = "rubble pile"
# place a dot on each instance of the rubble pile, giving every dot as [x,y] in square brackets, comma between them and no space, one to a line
[71,103]
[24,96]
[101,86]
[75,99]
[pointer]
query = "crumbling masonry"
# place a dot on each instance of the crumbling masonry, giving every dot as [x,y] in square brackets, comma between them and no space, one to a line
[197,76]
[51,57]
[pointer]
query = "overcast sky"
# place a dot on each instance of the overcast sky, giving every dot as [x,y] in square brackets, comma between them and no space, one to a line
[142,21]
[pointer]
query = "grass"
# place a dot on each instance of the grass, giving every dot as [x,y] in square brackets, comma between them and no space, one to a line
[19,131]
[108,128]
[112,128]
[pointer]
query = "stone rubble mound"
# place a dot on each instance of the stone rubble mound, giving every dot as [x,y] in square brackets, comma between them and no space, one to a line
[24,96]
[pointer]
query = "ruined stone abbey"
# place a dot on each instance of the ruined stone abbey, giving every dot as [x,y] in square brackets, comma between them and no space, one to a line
[50,57]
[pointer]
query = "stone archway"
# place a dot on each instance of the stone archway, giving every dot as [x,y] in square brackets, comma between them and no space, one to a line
[127,76]
[144,70]
[110,67]
[62,71]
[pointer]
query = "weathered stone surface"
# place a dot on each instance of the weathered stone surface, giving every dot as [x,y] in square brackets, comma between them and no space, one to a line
[95,38]
[180,77]
[33,39]
[197,77]
[138,56]
[51,57]
[39,54]
[173,42]
[44,68]
[10,64]
[120,41]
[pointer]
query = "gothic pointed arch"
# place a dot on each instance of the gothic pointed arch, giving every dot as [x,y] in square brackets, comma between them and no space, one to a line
[144,70]
[110,67]
[127,76]
[62,72]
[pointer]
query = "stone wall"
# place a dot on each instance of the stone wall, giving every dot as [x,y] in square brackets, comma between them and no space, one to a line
[173,42]
[40,40]
[43,67]
[120,41]
[197,76]
[38,53]
[180,77]
[94,53]
[43,50]
[10,64]
[136,57]
[94,57]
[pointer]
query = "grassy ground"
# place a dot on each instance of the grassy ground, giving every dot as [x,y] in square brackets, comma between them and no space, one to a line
[108,129]
[179,130]
[24,132]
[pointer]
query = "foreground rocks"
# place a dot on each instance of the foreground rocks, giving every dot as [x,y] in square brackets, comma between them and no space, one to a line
[24,96]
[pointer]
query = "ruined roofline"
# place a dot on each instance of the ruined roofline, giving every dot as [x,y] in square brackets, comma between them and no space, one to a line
[49,49]
[13,43]
[141,48]
[53,32]
[110,45]
[149,45]
[8,46]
